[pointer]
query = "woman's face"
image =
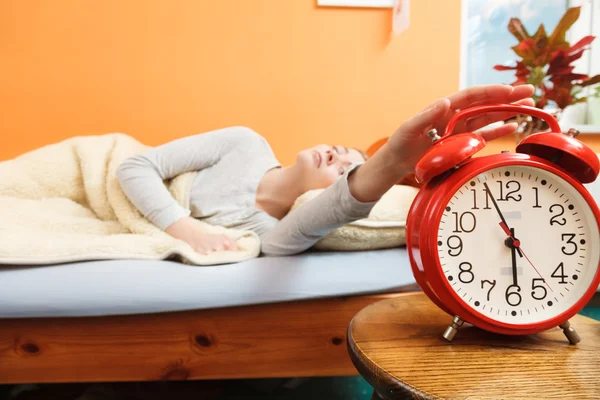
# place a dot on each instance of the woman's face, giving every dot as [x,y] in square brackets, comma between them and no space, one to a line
[323,164]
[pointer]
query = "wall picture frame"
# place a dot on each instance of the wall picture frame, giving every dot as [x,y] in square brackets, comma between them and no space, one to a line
[356,3]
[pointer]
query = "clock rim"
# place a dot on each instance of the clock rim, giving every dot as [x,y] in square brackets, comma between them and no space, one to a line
[433,276]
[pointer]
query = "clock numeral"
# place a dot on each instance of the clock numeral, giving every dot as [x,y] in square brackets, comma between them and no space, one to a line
[570,241]
[460,222]
[515,185]
[554,219]
[487,200]
[559,272]
[474,200]
[513,297]
[492,283]
[537,203]
[454,250]
[465,275]
[540,295]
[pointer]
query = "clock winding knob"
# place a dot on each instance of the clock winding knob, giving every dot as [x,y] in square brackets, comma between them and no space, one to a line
[433,135]
[573,132]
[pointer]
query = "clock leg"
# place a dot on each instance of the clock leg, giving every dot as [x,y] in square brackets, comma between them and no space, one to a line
[570,333]
[453,328]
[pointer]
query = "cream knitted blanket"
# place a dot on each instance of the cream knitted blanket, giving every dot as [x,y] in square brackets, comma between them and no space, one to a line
[63,203]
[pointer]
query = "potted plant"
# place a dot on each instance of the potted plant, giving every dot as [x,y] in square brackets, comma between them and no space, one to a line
[545,62]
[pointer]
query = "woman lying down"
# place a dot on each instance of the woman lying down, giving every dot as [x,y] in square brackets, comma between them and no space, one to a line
[240,184]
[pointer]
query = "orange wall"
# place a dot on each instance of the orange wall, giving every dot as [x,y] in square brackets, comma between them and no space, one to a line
[162,69]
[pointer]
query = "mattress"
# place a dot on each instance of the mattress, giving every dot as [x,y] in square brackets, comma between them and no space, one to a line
[119,287]
[122,287]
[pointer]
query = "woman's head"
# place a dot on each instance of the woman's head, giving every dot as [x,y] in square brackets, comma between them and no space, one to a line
[321,165]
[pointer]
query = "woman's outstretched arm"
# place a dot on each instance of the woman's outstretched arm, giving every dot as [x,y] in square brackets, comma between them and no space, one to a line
[354,194]
[302,228]
[410,141]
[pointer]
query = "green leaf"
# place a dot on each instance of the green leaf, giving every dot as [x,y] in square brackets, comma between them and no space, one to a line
[576,89]
[537,76]
[515,26]
[557,38]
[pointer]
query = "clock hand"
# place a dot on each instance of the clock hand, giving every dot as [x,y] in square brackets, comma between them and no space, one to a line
[511,240]
[513,252]
[503,224]
[489,192]
[514,243]
[517,245]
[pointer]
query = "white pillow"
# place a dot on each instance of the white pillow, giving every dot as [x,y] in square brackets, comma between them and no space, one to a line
[383,228]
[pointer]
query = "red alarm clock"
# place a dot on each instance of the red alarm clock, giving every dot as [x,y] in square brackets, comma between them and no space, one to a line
[507,242]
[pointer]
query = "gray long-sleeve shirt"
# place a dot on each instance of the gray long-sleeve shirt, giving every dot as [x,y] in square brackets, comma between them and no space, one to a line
[230,164]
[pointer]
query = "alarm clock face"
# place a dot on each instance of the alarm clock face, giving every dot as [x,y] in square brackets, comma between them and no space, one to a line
[536,264]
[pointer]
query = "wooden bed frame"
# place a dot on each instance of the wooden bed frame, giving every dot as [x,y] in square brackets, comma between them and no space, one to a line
[293,339]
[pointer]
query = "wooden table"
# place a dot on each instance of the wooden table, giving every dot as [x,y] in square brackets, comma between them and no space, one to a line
[397,346]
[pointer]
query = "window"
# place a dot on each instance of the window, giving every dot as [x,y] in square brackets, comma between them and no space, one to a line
[485,41]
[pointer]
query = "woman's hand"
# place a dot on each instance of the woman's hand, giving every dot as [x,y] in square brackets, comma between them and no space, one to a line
[185,229]
[407,145]
[410,141]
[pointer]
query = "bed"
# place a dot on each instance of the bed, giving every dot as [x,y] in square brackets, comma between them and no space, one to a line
[134,320]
